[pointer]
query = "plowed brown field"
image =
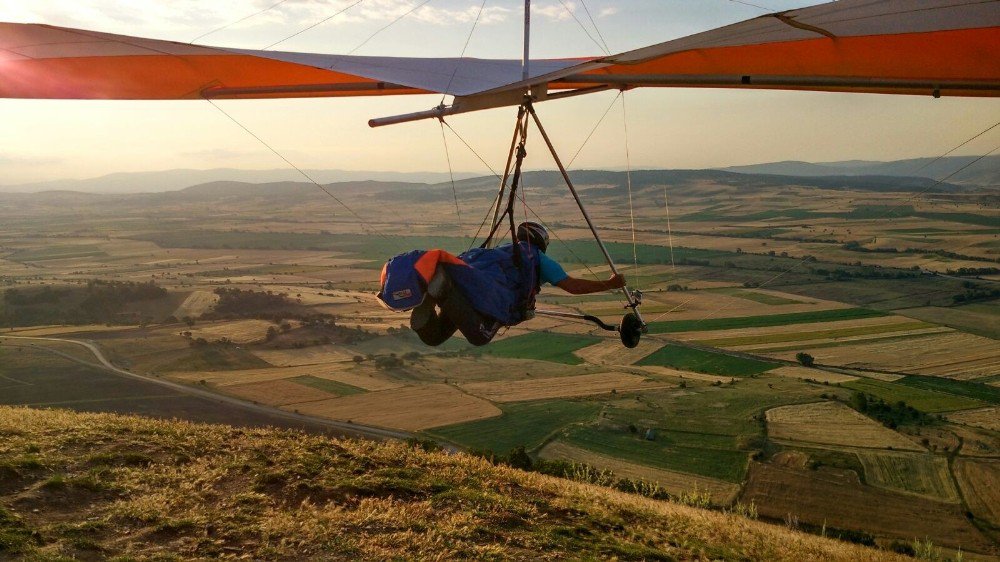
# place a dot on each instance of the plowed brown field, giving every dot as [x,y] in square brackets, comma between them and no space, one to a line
[837,499]
[980,482]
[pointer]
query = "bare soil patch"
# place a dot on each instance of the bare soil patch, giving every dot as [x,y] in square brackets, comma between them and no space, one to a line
[832,423]
[336,372]
[196,304]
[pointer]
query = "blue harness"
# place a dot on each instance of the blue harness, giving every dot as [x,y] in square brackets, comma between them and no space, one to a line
[495,282]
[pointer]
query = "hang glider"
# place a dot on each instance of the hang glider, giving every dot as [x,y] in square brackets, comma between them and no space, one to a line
[929,47]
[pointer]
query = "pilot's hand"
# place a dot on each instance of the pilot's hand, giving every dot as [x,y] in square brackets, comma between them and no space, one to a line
[616,281]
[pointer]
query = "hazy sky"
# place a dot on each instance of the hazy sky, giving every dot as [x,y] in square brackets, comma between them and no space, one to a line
[672,128]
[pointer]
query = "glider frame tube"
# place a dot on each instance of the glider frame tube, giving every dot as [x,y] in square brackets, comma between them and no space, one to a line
[633,299]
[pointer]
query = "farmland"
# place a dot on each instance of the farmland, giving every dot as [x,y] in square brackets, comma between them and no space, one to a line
[713,399]
[832,423]
[689,359]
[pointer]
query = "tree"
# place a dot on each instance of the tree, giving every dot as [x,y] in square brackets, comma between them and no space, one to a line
[805,359]
[519,458]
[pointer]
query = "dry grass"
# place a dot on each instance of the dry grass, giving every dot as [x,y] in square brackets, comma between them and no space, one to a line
[922,474]
[239,331]
[38,331]
[411,408]
[612,352]
[806,373]
[561,387]
[308,356]
[152,489]
[676,483]
[987,418]
[196,304]
[668,372]
[980,482]
[832,423]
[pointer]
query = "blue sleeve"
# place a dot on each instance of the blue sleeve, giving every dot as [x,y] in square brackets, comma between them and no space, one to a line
[549,270]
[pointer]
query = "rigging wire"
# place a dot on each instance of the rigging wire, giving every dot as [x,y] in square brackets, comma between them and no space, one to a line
[300,171]
[228,25]
[670,234]
[583,27]
[752,5]
[451,174]
[628,182]
[594,130]
[320,22]
[462,54]
[473,150]
[597,29]
[387,26]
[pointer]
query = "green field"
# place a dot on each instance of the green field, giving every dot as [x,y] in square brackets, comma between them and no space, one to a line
[924,400]
[688,359]
[542,346]
[333,387]
[525,423]
[704,430]
[763,298]
[820,334]
[761,321]
[663,452]
[968,389]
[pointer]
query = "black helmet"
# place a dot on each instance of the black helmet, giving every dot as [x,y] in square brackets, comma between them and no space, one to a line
[534,233]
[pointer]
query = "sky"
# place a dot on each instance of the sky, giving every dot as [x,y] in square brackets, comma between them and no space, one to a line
[43,140]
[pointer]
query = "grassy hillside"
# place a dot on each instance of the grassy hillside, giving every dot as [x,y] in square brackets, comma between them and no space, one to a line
[98,486]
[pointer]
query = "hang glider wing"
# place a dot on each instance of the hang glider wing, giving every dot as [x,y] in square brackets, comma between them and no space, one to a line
[41,61]
[939,47]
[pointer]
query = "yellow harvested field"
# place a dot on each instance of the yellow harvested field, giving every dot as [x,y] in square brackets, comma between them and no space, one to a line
[832,423]
[561,387]
[196,304]
[411,408]
[814,374]
[240,331]
[721,492]
[923,474]
[980,483]
[307,356]
[335,372]
[794,328]
[953,354]
[987,418]
[612,352]
[276,393]
[668,372]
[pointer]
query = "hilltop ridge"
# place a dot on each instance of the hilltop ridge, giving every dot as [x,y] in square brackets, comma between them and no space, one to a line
[100,486]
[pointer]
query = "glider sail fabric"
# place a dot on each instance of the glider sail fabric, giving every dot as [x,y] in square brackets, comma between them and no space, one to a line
[41,61]
[939,47]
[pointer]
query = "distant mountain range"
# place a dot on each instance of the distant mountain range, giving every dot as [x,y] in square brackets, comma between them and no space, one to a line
[174,180]
[900,175]
[985,172]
